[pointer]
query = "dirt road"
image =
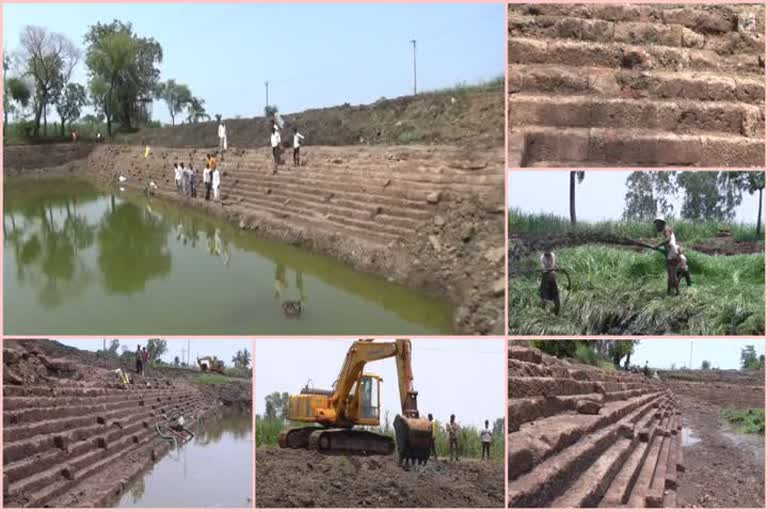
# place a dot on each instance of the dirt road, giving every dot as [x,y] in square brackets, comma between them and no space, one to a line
[297,478]
[724,468]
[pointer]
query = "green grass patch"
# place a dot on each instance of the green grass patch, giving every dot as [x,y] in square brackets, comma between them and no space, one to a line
[213,378]
[751,421]
[618,291]
[685,230]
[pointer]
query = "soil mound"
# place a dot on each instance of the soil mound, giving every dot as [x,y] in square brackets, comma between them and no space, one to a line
[298,478]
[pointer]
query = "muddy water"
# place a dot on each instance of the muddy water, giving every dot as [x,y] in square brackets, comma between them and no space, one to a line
[212,470]
[689,437]
[79,260]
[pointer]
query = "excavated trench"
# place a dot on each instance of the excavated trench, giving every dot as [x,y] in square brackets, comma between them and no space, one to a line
[75,437]
[586,437]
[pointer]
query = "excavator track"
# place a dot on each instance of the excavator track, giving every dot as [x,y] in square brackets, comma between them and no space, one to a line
[296,437]
[351,442]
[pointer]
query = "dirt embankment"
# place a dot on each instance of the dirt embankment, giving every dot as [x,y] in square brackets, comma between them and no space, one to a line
[454,117]
[297,478]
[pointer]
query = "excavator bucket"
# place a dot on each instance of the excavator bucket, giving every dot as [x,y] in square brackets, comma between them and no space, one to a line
[414,437]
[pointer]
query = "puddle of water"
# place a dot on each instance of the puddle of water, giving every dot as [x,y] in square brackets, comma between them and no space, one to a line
[212,470]
[79,260]
[689,437]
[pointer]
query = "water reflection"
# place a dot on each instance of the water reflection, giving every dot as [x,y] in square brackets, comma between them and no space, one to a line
[74,252]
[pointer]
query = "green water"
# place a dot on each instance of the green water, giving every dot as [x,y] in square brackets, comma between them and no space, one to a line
[214,469]
[80,260]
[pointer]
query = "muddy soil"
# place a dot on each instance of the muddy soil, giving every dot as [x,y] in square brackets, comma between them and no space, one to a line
[724,468]
[298,478]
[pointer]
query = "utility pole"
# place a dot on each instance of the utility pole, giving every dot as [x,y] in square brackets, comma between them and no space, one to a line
[188,351]
[690,358]
[413,42]
[266,87]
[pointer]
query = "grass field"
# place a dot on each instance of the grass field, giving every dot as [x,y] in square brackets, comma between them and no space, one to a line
[268,430]
[751,421]
[619,291]
[213,378]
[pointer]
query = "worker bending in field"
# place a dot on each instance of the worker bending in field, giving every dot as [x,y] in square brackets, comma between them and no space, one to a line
[548,290]
[486,436]
[453,429]
[677,264]
[435,427]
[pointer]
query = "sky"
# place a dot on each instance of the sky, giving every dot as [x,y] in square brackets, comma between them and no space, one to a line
[314,55]
[452,376]
[224,349]
[724,354]
[599,197]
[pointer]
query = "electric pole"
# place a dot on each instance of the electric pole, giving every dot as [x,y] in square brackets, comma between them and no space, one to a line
[413,42]
[266,87]
[690,357]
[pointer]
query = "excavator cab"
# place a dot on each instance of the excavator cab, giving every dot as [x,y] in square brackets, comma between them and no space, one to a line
[368,391]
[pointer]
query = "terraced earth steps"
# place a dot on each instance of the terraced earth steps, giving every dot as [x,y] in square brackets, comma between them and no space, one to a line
[628,454]
[650,85]
[58,440]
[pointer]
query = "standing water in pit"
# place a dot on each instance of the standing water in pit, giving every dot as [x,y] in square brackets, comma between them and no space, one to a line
[192,476]
[74,252]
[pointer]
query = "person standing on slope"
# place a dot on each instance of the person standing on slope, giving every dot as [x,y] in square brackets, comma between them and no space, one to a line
[222,136]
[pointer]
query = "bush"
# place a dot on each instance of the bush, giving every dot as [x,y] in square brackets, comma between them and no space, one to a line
[751,421]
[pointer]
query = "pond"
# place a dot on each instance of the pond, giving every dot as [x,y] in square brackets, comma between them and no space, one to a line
[214,469]
[81,260]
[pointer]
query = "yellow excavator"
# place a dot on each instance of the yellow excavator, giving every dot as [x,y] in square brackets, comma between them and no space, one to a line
[354,402]
[211,364]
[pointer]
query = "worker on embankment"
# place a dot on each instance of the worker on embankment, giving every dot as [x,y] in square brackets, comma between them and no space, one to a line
[672,252]
[144,360]
[435,427]
[222,136]
[486,436]
[298,139]
[139,361]
[177,175]
[453,429]
[207,181]
[215,183]
[274,140]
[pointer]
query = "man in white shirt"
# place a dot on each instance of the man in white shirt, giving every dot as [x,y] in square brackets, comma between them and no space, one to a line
[275,142]
[298,139]
[486,435]
[177,175]
[216,182]
[222,136]
[207,181]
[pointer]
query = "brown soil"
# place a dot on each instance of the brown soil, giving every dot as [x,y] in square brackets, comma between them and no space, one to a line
[468,118]
[297,478]
[725,469]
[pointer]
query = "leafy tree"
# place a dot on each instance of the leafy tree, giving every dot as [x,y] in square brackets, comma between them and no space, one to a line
[621,349]
[49,60]
[575,176]
[71,100]
[710,195]
[14,90]
[648,195]
[176,96]
[706,365]
[156,348]
[270,111]
[751,182]
[196,110]
[124,69]
[242,359]
[557,348]
[276,406]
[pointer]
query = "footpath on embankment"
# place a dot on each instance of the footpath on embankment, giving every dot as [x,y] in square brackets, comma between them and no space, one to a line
[73,436]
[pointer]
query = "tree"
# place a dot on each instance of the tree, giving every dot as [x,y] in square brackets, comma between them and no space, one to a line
[270,111]
[706,365]
[126,66]
[71,100]
[242,359]
[156,347]
[751,182]
[749,359]
[619,350]
[276,405]
[175,95]
[14,90]
[710,195]
[648,195]
[196,110]
[575,176]
[49,60]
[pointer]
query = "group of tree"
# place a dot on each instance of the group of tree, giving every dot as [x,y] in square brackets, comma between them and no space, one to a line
[750,360]
[705,195]
[123,79]
[591,351]
[242,359]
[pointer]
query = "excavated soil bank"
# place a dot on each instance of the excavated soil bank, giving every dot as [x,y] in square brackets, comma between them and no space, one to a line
[650,443]
[636,85]
[429,217]
[74,437]
[298,478]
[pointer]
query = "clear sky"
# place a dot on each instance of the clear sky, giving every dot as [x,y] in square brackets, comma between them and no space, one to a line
[452,376]
[224,349]
[314,55]
[724,354]
[599,197]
